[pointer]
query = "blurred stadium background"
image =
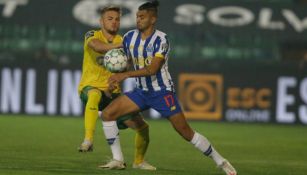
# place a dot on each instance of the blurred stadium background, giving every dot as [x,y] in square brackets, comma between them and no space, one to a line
[240,64]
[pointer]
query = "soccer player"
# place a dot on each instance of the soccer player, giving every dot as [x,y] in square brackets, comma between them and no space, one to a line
[149,49]
[96,95]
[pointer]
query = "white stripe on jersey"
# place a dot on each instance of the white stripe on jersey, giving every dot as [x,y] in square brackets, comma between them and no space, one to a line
[154,77]
[133,39]
[168,77]
[158,43]
[140,53]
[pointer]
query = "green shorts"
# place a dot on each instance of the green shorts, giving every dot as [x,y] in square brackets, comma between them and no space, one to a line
[104,102]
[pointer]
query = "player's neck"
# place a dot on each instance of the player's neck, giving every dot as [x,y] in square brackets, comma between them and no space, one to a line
[146,33]
[107,35]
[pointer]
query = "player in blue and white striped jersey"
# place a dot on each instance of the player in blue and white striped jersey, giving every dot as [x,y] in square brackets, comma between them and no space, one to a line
[149,48]
[142,52]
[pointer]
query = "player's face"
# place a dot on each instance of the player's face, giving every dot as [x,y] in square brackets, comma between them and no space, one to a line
[110,21]
[145,19]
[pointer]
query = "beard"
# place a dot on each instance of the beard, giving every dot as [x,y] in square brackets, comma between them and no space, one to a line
[140,28]
[112,32]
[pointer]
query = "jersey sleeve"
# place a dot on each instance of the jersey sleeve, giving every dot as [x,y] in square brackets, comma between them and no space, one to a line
[126,47]
[162,48]
[125,44]
[89,36]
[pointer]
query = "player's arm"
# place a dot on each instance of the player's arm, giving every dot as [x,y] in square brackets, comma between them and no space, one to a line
[129,65]
[149,70]
[101,47]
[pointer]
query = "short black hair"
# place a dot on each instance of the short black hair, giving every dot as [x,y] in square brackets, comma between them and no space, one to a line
[150,6]
[110,8]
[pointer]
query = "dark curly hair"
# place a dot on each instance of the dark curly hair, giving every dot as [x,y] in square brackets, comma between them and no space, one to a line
[150,6]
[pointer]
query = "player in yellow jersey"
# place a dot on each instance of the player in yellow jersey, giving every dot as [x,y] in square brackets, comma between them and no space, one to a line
[95,93]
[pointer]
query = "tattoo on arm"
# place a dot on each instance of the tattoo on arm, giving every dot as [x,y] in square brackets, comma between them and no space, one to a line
[147,70]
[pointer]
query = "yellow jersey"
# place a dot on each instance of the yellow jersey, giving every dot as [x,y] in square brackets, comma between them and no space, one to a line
[94,74]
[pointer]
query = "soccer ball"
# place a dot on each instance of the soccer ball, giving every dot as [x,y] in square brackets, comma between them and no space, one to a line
[115,60]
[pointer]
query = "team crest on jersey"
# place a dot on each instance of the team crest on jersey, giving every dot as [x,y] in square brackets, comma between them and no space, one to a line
[149,48]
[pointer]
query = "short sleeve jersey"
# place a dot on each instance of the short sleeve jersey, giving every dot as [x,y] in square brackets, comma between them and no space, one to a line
[94,74]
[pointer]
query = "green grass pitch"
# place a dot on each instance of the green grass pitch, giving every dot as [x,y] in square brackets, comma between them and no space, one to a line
[48,145]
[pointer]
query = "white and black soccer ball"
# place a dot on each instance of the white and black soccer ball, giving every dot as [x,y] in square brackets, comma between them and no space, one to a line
[115,60]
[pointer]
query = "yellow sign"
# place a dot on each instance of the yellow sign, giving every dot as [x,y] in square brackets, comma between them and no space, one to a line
[249,98]
[201,95]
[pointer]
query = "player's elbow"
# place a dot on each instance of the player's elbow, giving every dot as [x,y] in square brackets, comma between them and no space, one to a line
[153,70]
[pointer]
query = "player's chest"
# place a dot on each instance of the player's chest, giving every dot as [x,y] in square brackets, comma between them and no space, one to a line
[142,49]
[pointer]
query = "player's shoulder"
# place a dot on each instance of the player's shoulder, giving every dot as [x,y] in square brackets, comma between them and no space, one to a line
[118,35]
[118,38]
[90,33]
[161,34]
[130,33]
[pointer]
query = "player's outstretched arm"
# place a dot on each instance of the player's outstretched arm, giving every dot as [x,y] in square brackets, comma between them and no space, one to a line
[101,47]
[152,69]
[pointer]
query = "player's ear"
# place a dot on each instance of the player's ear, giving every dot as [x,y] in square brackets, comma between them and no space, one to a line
[101,20]
[153,19]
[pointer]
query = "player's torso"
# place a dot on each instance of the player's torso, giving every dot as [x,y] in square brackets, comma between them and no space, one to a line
[94,74]
[142,52]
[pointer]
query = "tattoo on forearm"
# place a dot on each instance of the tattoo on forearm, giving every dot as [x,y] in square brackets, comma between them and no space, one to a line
[147,70]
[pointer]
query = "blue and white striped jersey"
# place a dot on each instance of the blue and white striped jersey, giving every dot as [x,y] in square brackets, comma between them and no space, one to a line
[142,52]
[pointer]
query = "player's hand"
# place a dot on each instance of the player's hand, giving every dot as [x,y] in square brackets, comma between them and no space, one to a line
[117,78]
[108,92]
[119,45]
[112,86]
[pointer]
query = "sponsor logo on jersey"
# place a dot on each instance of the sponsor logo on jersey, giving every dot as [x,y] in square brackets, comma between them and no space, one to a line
[89,34]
